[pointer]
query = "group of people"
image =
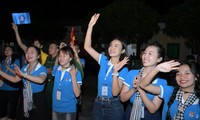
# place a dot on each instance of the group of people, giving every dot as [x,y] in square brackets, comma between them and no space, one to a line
[51,87]
[149,94]
[47,85]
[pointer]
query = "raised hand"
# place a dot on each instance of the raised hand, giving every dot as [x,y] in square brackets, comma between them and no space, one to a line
[94,19]
[168,66]
[18,71]
[14,26]
[62,44]
[120,64]
[73,71]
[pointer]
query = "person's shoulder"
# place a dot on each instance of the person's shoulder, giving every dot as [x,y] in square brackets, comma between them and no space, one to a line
[134,71]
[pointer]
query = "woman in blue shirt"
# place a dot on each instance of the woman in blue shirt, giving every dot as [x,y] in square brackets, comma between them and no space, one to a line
[181,102]
[9,92]
[67,85]
[33,75]
[110,78]
[143,105]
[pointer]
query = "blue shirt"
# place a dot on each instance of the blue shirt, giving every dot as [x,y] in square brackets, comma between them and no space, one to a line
[11,86]
[130,78]
[63,85]
[39,69]
[82,61]
[105,75]
[191,113]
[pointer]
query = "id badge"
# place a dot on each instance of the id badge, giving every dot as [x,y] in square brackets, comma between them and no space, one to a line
[58,95]
[104,91]
[1,83]
[142,115]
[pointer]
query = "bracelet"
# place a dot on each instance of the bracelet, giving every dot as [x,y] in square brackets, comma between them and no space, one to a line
[25,74]
[115,74]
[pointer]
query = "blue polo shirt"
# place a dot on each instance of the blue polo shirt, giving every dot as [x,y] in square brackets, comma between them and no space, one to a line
[7,85]
[105,75]
[63,85]
[191,113]
[39,69]
[130,78]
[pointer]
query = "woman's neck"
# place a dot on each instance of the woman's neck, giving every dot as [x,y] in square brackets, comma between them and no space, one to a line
[32,64]
[114,60]
[188,89]
[65,66]
[146,70]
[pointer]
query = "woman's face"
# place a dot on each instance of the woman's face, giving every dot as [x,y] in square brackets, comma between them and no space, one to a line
[32,55]
[150,56]
[184,77]
[8,52]
[64,59]
[115,48]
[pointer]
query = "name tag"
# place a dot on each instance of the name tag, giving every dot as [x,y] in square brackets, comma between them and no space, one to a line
[104,91]
[58,95]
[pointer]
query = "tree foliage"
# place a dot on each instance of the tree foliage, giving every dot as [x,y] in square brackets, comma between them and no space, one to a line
[132,20]
[183,21]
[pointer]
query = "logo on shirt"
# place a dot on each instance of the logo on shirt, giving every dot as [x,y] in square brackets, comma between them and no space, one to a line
[191,114]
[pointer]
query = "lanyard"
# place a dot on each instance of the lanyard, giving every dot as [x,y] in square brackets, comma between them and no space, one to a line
[108,71]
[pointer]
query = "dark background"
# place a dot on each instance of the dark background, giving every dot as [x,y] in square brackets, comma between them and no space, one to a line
[44,12]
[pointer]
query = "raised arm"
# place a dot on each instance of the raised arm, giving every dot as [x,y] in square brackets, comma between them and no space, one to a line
[162,67]
[18,38]
[88,37]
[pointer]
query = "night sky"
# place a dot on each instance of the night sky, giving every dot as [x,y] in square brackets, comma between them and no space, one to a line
[61,10]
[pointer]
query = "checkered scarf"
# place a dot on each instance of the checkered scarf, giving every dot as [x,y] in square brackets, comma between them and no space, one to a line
[182,106]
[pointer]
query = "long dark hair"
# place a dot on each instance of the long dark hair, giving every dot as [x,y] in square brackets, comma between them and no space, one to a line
[194,71]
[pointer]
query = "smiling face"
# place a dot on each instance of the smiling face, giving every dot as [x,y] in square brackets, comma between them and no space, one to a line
[115,48]
[150,56]
[32,55]
[64,59]
[185,78]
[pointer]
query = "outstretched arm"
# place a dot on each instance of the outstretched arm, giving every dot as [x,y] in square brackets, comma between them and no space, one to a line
[88,37]
[18,38]
[162,67]
[10,78]
[37,79]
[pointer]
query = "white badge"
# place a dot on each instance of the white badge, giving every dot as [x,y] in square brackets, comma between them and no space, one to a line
[1,83]
[58,95]
[104,91]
